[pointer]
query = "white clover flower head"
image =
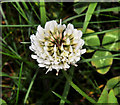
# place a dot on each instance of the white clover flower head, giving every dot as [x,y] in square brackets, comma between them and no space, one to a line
[57,46]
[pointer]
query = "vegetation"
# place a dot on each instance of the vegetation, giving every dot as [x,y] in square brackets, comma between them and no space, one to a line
[95,80]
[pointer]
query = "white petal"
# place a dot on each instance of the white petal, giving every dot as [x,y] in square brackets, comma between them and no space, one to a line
[32,37]
[69,31]
[77,59]
[70,26]
[51,25]
[41,65]
[34,56]
[61,27]
[39,28]
[50,69]
[55,48]
[83,51]
[71,49]
[40,60]
[77,34]
[66,65]
[47,62]
[82,42]
[68,41]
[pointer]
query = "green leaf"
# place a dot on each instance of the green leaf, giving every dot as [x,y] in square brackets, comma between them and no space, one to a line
[102,65]
[117,90]
[114,84]
[111,40]
[107,98]
[2,102]
[104,96]
[79,8]
[111,97]
[88,16]
[91,41]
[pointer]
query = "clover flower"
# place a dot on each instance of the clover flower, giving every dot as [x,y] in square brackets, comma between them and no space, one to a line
[57,46]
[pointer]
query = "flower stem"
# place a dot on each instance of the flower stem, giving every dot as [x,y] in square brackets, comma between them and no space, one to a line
[77,88]
[67,87]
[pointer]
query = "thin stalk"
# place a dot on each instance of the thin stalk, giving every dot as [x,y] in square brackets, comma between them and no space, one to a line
[20,74]
[67,87]
[30,86]
[77,88]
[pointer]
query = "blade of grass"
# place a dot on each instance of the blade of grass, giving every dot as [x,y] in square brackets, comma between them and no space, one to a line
[42,12]
[34,11]
[94,59]
[4,17]
[110,16]
[12,77]
[73,17]
[67,87]
[109,21]
[108,9]
[6,50]
[61,97]
[20,74]
[10,48]
[19,25]
[7,54]
[30,86]
[77,88]
[102,10]
[21,12]
[25,5]
[47,94]
[25,42]
[88,16]
[20,9]
[102,32]
[23,39]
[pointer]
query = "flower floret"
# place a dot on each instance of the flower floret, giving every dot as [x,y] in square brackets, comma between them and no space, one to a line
[57,46]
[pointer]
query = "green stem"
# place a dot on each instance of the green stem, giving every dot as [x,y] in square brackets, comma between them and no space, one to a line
[30,86]
[77,88]
[20,74]
[67,86]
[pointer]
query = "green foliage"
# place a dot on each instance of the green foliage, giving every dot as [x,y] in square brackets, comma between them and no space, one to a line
[88,16]
[62,98]
[42,12]
[111,97]
[80,7]
[104,96]
[114,84]
[29,84]
[77,88]
[91,41]
[108,94]
[111,40]
[103,64]
[67,87]
[2,102]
